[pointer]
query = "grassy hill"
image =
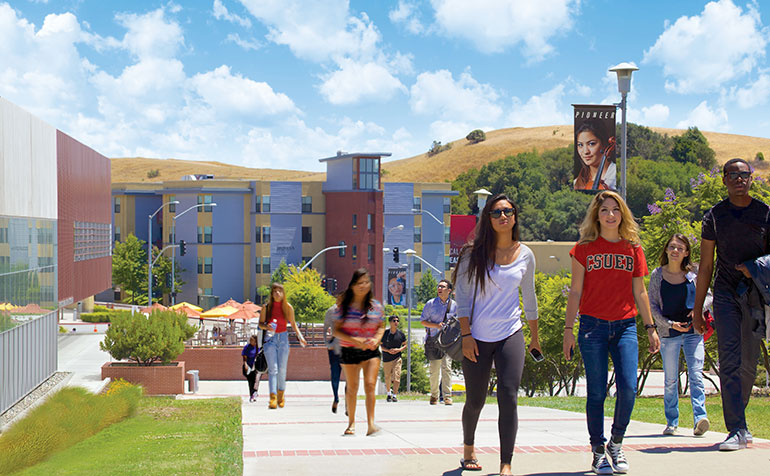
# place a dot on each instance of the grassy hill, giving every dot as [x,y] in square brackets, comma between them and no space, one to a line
[440,168]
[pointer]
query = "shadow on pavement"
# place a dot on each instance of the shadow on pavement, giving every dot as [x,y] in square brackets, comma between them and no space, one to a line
[681,449]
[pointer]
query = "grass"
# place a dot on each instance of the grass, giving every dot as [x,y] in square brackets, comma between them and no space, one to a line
[166,437]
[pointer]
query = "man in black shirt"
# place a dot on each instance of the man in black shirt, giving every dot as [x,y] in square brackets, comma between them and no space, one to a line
[739,228]
[393,342]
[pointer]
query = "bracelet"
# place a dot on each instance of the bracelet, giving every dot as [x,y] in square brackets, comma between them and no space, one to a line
[651,326]
[466,335]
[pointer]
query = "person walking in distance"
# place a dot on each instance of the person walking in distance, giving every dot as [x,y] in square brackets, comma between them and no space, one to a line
[393,343]
[608,269]
[334,350]
[492,271]
[738,228]
[249,354]
[433,315]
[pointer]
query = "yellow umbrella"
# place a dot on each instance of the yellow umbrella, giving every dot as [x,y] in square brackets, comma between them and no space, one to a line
[6,306]
[219,312]
[191,306]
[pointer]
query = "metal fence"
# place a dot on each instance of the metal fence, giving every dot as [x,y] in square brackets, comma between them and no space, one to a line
[28,356]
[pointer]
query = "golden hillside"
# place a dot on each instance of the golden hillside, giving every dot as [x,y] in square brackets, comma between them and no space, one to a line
[440,168]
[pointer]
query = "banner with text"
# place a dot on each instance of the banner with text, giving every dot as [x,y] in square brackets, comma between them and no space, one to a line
[594,157]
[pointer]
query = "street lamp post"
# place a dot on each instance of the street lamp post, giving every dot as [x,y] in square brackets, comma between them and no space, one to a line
[409,260]
[481,198]
[624,71]
[384,269]
[320,253]
[173,247]
[149,250]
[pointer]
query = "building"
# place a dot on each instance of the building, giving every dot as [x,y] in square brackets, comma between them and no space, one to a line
[55,242]
[234,246]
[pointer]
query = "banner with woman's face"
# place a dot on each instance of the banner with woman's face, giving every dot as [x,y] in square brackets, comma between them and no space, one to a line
[397,286]
[594,157]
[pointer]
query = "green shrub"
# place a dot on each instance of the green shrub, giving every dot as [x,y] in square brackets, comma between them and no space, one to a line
[68,417]
[6,322]
[100,308]
[152,173]
[157,337]
[103,316]
[475,136]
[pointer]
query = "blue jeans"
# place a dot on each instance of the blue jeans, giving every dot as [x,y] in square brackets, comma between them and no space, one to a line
[694,353]
[336,369]
[598,339]
[277,355]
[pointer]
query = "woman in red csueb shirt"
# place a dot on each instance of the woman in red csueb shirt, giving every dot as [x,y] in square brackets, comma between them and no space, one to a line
[359,324]
[608,269]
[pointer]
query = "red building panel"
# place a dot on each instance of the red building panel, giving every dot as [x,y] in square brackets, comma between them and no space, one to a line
[84,189]
[340,208]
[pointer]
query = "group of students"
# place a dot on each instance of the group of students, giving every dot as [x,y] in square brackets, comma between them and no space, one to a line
[495,285]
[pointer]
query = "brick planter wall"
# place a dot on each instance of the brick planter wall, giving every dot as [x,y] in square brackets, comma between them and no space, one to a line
[156,379]
[225,363]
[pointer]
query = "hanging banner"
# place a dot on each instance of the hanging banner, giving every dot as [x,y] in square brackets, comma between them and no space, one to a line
[397,286]
[459,233]
[594,157]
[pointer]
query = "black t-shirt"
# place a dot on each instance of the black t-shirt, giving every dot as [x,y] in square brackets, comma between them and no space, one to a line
[740,233]
[392,341]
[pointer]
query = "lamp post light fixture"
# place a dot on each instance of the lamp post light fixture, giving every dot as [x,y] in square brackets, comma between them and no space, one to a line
[481,198]
[624,71]
[149,249]
[174,245]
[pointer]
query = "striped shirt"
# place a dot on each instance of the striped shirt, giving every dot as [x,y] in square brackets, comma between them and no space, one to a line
[354,324]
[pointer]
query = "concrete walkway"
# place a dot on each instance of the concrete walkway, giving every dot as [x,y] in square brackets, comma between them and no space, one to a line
[305,437]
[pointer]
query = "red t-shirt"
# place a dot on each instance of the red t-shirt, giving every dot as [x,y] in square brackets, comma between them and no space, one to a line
[607,282]
[276,315]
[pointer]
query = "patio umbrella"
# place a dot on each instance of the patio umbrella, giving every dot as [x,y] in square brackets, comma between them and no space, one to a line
[6,306]
[230,303]
[155,307]
[31,308]
[189,311]
[220,311]
[188,305]
[250,306]
[242,314]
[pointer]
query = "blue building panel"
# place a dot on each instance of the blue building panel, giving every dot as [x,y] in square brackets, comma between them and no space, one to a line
[285,239]
[228,272]
[339,175]
[432,230]
[227,220]
[398,198]
[145,205]
[285,197]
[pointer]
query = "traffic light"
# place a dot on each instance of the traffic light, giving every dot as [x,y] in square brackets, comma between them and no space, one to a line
[182,248]
[168,280]
[395,254]
[324,283]
[333,284]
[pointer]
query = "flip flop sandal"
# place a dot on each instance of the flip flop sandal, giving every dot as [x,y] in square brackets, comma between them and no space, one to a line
[470,464]
[349,432]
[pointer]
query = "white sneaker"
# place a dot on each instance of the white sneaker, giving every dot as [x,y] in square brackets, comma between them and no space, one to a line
[736,440]
[670,430]
[701,427]
[748,436]
[600,464]
[617,457]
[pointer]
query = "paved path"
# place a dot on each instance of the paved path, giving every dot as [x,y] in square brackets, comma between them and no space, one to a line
[305,437]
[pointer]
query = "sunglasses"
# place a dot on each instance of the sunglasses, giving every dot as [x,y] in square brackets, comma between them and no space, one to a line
[735,175]
[499,212]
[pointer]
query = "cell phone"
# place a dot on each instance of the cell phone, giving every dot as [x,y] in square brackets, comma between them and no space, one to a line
[536,355]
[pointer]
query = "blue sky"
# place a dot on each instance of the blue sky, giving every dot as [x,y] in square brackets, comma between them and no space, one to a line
[282,83]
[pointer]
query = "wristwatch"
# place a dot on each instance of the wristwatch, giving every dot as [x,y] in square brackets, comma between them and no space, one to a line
[651,326]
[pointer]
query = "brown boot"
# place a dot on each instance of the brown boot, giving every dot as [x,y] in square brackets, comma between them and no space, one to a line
[281,402]
[273,403]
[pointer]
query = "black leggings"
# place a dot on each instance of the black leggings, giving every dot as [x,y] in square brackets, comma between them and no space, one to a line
[253,379]
[508,355]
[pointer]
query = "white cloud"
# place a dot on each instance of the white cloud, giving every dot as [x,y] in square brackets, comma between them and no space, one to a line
[221,13]
[405,14]
[652,116]
[151,35]
[356,82]
[706,119]
[228,93]
[438,94]
[755,94]
[495,25]
[541,110]
[245,44]
[702,52]
[447,131]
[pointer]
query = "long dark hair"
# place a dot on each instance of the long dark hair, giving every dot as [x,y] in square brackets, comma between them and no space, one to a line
[347,295]
[595,127]
[686,260]
[481,251]
[268,309]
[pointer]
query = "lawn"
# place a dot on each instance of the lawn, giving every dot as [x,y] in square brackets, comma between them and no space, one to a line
[166,437]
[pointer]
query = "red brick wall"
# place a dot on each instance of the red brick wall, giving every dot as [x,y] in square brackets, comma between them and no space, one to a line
[156,379]
[226,363]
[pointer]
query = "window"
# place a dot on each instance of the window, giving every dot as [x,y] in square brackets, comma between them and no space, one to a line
[172,235]
[417,203]
[172,206]
[355,221]
[4,235]
[265,203]
[203,200]
[447,263]
[266,265]
[368,174]
[205,265]
[417,234]
[116,200]
[258,204]
[370,252]
[369,221]
[307,204]
[208,291]
[258,234]
[342,250]
[307,234]
[116,295]
[204,234]
[355,252]
[417,266]
[446,234]
[116,236]
[91,240]
[447,204]
[265,234]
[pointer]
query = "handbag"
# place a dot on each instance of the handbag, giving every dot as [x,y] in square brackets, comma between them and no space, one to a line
[260,363]
[709,321]
[433,350]
[450,337]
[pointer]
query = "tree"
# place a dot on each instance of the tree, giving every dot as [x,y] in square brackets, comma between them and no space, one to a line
[157,337]
[129,267]
[437,148]
[279,275]
[693,147]
[645,143]
[426,289]
[305,294]
[475,136]
[759,157]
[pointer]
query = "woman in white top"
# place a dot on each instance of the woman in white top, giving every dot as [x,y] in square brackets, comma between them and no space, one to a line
[490,272]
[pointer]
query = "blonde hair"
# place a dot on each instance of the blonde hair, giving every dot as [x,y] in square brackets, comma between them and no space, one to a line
[590,228]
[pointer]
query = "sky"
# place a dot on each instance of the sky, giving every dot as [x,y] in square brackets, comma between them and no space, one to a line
[283,83]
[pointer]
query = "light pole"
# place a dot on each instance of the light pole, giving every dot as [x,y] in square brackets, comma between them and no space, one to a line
[409,260]
[624,71]
[149,250]
[173,247]
[481,198]
[384,269]
[322,252]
